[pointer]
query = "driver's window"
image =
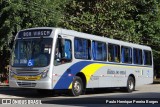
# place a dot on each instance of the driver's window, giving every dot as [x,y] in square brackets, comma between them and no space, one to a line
[63,52]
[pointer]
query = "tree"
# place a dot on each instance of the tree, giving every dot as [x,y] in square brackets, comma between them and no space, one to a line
[155,43]
[105,17]
[127,20]
[20,14]
[137,21]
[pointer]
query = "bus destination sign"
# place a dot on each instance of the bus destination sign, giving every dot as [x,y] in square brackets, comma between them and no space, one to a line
[35,33]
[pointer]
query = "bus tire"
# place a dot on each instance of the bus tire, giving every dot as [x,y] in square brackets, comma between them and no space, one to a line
[130,84]
[77,86]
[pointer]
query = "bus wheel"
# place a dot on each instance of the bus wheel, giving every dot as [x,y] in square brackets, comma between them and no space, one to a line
[130,84]
[77,86]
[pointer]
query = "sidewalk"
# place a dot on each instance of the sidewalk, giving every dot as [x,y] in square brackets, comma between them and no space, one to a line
[4,84]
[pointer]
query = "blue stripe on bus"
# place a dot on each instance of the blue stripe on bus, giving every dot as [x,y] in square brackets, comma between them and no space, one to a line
[65,80]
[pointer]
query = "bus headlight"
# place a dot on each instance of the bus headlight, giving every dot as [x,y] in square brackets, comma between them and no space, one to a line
[44,74]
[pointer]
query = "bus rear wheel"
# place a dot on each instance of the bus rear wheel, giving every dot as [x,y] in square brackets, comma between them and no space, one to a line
[130,84]
[77,86]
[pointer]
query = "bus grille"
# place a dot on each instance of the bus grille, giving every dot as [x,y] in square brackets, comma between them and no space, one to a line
[27,73]
[26,84]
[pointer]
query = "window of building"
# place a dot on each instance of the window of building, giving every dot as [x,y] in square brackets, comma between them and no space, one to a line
[113,53]
[82,48]
[99,51]
[126,54]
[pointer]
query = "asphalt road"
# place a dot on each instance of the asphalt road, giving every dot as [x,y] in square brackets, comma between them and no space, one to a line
[91,98]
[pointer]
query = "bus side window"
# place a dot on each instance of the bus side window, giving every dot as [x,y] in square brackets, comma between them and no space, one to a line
[63,53]
[82,48]
[126,54]
[147,57]
[67,50]
[137,55]
[99,51]
[113,53]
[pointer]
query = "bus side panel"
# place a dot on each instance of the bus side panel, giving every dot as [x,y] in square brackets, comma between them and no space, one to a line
[100,74]
[112,75]
[116,76]
[109,76]
[63,74]
[144,76]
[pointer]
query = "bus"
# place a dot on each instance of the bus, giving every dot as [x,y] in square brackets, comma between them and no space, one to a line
[46,58]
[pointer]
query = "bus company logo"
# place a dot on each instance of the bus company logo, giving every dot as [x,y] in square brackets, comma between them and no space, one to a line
[6,101]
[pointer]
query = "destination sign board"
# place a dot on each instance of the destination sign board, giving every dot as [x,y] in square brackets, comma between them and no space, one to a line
[34,33]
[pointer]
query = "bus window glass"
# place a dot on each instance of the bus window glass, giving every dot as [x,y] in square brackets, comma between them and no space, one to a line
[67,50]
[63,53]
[126,54]
[137,56]
[113,53]
[147,57]
[82,48]
[99,51]
[32,52]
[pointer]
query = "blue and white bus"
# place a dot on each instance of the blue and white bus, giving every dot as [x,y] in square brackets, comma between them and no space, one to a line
[58,59]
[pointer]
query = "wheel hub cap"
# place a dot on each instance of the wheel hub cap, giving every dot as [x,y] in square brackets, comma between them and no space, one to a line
[131,85]
[77,86]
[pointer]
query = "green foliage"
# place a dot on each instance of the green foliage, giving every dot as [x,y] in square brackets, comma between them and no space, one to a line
[20,14]
[129,20]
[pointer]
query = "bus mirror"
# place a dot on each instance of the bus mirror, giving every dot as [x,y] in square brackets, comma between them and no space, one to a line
[61,40]
[59,36]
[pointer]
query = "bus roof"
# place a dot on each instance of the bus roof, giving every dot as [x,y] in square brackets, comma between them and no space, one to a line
[104,39]
[92,37]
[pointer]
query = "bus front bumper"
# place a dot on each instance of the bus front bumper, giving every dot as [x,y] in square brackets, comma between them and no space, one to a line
[30,84]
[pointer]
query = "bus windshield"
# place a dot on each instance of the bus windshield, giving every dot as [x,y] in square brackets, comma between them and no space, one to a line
[32,52]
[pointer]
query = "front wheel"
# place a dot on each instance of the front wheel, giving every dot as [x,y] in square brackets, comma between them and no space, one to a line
[77,86]
[130,84]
